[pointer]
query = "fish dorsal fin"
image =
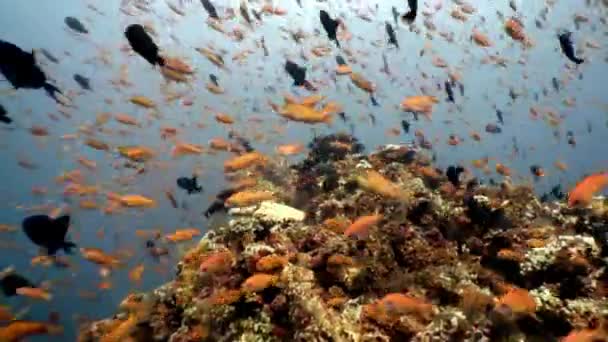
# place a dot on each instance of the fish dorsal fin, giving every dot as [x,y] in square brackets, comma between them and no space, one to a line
[64,223]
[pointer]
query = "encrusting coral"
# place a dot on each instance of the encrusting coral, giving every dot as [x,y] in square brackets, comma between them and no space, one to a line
[383,248]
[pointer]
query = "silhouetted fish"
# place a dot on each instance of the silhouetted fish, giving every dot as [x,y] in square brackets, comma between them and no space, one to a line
[449,91]
[143,44]
[392,38]
[20,70]
[189,184]
[411,15]
[461,88]
[395,16]
[298,74]
[49,55]
[555,83]
[330,25]
[406,126]
[499,116]
[565,41]
[83,82]
[11,282]
[47,232]
[453,174]
[210,9]
[340,60]
[493,128]
[214,79]
[76,25]
[3,115]
[245,13]
[557,192]
[342,116]
[372,118]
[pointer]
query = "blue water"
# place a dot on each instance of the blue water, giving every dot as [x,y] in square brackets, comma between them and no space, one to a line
[40,24]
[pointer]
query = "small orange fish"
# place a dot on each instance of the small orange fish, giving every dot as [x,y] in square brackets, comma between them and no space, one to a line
[19,330]
[183,235]
[244,161]
[178,65]
[343,69]
[258,282]
[248,198]
[136,201]
[218,262]
[142,101]
[475,136]
[376,183]
[89,164]
[219,144]
[515,30]
[583,192]
[360,228]
[502,169]
[224,118]
[125,119]
[302,111]
[136,273]
[99,257]
[34,292]
[213,88]
[290,149]
[172,75]
[136,153]
[398,304]
[171,198]
[362,83]
[39,131]
[481,39]
[561,165]
[97,144]
[518,300]
[181,149]
[422,103]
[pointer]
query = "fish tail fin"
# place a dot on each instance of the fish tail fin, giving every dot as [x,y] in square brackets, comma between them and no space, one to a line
[5,119]
[67,247]
[52,91]
[409,16]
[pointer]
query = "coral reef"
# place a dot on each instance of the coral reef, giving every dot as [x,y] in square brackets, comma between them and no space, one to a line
[429,261]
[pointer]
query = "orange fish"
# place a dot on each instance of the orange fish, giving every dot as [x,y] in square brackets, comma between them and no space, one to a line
[376,183]
[502,169]
[136,153]
[302,111]
[219,144]
[218,262]
[181,149]
[422,103]
[34,292]
[178,65]
[136,201]
[398,304]
[89,164]
[515,30]
[125,119]
[39,131]
[561,165]
[19,330]
[362,83]
[583,192]
[248,198]
[244,161]
[258,282]
[360,228]
[97,144]
[518,300]
[142,101]
[290,149]
[481,39]
[214,88]
[343,69]
[183,235]
[172,75]
[99,257]
[136,273]
[224,118]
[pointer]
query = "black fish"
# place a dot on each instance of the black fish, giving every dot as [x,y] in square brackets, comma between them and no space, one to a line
[415,114]
[47,232]
[189,184]
[75,25]
[406,126]
[330,25]
[299,3]
[374,101]
[499,116]
[214,79]
[298,74]
[10,283]
[571,139]
[449,91]
[83,82]
[395,16]
[411,15]
[342,116]
[565,41]
[392,38]
[20,70]
[536,170]
[245,13]
[513,5]
[49,55]
[372,118]
[512,94]
[3,117]
[555,83]
[210,9]
[214,208]
[340,60]
[453,174]
[263,43]
[257,15]
[461,88]
[143,44]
